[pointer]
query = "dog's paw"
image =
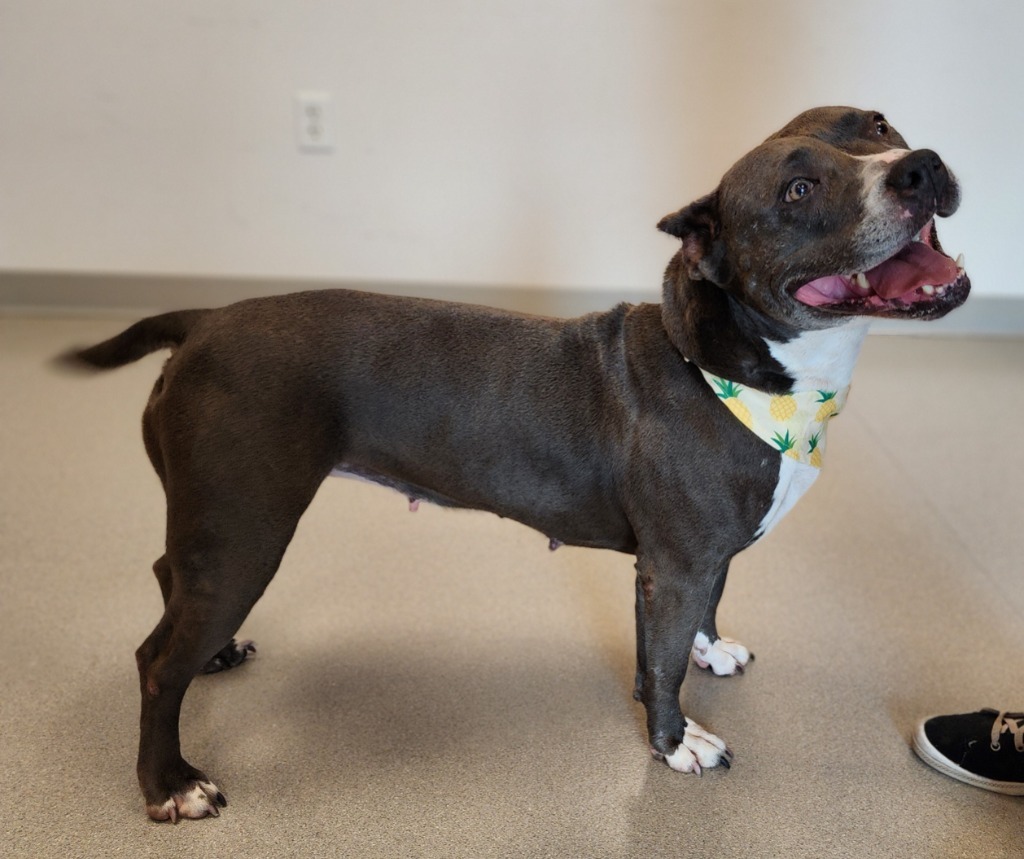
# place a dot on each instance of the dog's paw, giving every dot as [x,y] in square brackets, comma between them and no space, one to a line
[724,656]
[699,750]
[199,799]
[232,654]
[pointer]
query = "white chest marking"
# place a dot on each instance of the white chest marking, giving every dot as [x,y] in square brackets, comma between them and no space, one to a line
[795,478]
[818,360]
[822,360]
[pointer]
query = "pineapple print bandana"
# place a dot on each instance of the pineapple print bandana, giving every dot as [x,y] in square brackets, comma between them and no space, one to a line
[793,424]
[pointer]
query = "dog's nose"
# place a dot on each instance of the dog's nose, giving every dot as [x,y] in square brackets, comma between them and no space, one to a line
[922,177]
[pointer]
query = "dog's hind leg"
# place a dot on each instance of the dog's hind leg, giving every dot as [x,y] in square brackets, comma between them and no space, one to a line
[217,580]
[234,652]
[723,656]
[231,654]
[226,534]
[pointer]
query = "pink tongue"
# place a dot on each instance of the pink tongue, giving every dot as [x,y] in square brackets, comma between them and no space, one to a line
[916,265]
[825,290]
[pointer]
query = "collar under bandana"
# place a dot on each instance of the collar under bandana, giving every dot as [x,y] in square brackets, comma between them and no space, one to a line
[794,424]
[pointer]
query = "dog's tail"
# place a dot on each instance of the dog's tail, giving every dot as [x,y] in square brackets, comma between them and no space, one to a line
[147,335]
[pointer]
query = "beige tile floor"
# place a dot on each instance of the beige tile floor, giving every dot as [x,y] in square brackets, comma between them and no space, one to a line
[441,685]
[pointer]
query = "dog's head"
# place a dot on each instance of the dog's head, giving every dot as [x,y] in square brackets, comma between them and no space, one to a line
[831,217]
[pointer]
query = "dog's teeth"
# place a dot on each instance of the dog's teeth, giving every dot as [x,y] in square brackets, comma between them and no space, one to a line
[960,263]
[940,290]
[928,290]
[862,281]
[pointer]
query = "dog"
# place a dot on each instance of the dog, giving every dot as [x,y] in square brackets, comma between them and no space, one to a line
[680,433]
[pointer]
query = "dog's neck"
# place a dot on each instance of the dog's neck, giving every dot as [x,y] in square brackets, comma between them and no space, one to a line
[782,383]
[728,339]
[822,359]
[714,331]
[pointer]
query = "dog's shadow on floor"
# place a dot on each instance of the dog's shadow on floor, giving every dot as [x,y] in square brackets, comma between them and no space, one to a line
[333,720]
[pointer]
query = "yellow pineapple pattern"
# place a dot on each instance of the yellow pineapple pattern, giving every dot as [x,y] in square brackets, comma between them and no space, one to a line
[828,406]
[814,450]
[792,423]
[729,393]
[782,407]
[786,445]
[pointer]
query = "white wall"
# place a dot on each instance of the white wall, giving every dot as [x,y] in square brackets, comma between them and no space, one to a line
[531,142]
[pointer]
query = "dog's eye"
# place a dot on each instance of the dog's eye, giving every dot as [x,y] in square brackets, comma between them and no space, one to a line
[881,127]
[798,189]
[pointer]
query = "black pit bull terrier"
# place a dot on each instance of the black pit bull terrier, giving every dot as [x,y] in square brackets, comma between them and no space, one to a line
[680,433]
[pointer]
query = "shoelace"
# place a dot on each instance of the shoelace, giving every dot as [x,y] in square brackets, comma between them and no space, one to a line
[1008,723]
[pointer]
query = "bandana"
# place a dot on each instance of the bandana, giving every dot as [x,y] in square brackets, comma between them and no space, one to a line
[793,424]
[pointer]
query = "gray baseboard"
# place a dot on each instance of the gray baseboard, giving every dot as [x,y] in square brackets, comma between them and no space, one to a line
[52,293]
[32,293]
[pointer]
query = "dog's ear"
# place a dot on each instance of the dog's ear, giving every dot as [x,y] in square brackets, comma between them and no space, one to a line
[699,227]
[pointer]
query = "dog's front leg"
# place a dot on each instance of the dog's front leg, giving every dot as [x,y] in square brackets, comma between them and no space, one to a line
[669,611]
[723,656]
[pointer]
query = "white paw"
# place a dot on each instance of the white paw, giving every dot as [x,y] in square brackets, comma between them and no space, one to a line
[201,800]
[724,656]
[699,750]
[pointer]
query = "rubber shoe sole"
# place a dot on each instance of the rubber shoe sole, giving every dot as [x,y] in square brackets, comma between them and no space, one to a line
[934,758]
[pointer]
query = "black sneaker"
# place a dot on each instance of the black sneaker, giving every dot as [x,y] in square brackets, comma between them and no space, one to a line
[985,749]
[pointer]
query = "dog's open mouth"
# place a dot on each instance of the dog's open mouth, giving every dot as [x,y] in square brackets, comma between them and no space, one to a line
[919,280]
